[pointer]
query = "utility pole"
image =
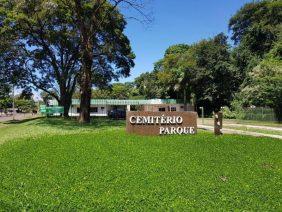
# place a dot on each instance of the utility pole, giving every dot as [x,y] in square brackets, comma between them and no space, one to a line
[13,101]
[203,118]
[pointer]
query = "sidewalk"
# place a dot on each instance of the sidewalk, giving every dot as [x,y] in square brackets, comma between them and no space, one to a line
[255,127]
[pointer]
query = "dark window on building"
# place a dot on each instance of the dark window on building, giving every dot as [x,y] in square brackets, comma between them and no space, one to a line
[102,108]
[162,109]
[182,107]
[93,110]
[173,109]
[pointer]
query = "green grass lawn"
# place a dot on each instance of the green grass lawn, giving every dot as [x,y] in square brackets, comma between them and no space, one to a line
[54,164]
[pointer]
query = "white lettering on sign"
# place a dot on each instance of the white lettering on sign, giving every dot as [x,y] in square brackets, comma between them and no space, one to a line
[177,130]
[156,120]
[132,120]
[163,120]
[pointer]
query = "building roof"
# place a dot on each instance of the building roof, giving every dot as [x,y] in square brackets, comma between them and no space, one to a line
[122,102]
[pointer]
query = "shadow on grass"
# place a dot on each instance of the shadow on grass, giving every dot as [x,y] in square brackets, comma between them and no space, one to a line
[20,121]
[73,124]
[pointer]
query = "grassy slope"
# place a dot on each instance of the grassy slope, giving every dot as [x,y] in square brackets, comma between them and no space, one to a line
[51,126]
[81,168]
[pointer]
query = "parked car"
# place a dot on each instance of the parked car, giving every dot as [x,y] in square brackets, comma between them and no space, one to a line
[117,114]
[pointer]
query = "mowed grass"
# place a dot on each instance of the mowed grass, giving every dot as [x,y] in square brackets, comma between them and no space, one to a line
[52,126]
[100,167]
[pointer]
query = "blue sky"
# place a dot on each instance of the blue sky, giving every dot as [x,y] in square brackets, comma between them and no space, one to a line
[177,21]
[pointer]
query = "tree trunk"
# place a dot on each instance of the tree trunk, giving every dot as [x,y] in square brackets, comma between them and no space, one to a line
[87,39]
[65,101]
[86,85]
[67,105]
[185,100]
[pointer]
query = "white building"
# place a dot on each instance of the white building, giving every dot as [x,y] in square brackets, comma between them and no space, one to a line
[101,107]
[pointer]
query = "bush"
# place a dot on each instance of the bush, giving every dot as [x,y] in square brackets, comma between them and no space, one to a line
[24,105]
[228,114]
[5,103]
[238,109]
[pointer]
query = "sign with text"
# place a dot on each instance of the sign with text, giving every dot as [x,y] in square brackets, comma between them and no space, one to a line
[161,123]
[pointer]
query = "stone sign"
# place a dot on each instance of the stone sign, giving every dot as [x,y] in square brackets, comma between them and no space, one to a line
[161,123]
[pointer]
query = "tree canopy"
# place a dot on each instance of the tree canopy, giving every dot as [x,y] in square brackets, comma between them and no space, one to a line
[202,73]
[255,25]
[62,43]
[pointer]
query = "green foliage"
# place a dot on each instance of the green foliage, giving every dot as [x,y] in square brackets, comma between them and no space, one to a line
[101,94]
[121,91]
[255,25]
[265,86]
[25,105]
[237,107]
[11,64]
[177,49]
[201,73]
[45,43]
[100,167]
[5,89]
[227,113]
[117,91]
[59,42]
[26,94]
[148,86]
[214,72]
[45,97]
[255,28]
[5,103]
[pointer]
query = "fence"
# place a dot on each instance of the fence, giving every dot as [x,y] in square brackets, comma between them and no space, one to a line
[259,114]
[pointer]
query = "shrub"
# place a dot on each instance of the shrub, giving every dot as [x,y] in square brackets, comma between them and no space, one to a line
[227,113]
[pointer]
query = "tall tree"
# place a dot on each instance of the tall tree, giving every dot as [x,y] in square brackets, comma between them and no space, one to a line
[65,41]
[264,87]
[11,63]
[176,72]
[215,76]
[147,85]
[103,43]
[255,28]
[46,44]
[26,94]
[257,31]
[201,74]
[255,25]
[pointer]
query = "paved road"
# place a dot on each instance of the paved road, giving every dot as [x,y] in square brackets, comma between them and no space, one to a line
[226,122]
[240,132]
[18,117]
[255,127]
